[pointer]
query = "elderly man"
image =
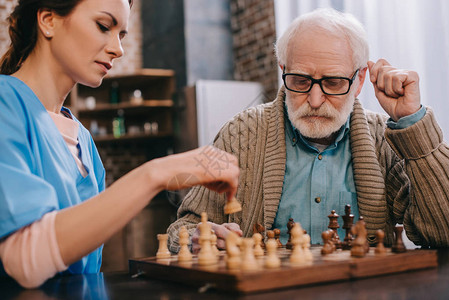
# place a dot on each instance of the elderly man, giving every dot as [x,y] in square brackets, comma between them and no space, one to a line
[314,148]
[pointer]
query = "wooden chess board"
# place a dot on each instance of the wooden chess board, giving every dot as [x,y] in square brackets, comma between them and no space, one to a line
[336,266]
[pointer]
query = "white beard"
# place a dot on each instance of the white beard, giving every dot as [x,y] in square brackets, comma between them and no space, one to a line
[318,128]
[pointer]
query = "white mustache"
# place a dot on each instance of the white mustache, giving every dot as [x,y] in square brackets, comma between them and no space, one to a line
[326,111]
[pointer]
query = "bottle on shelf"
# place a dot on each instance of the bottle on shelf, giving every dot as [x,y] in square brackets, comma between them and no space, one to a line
[114,93]
[118,124]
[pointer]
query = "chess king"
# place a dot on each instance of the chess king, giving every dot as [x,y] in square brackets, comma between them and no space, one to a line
[315,149]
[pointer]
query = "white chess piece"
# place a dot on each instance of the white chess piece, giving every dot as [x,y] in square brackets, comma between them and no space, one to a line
[249,262]
[162,251]
[184,252]
[258,251]
[233,259]
[297,257]
[305,243]
[272,261]
[206,255]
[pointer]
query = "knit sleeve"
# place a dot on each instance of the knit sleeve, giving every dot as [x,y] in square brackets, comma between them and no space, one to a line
[426,158]
[198,200]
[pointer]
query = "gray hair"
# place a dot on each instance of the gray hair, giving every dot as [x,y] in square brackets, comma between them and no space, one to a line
[332,21]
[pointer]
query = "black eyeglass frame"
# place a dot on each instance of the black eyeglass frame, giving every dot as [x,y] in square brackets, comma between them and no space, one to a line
[351,80]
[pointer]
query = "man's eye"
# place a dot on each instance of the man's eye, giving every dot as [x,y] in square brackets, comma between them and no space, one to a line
[301,81]
[333,82]
[102,27]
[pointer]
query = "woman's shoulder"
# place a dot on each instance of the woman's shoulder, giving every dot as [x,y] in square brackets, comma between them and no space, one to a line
[13,88]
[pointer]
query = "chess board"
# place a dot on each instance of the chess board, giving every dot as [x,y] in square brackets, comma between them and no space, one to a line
[337,266]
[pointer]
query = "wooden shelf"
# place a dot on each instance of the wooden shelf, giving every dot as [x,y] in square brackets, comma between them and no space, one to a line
[130,137]
[107,107]
[143,73]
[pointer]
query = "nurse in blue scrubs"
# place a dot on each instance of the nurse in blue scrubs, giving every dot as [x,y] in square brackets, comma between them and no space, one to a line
[56,44]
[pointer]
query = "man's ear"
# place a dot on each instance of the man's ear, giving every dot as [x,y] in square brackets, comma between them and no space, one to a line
[361,77]
[46,22]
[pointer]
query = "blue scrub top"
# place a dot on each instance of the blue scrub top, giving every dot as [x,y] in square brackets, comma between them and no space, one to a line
[38,174]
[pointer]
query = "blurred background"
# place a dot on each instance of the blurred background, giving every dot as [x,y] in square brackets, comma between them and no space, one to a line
[190,65]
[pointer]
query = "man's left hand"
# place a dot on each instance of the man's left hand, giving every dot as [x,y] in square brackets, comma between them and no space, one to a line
[397,90]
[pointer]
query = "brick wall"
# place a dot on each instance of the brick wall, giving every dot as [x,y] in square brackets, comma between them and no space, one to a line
[132,44]
[254,35]
[6,7]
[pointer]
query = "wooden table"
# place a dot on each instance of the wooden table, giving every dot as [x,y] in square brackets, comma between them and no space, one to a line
[423,284]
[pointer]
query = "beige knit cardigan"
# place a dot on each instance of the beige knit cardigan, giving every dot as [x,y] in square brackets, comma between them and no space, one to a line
[401,176]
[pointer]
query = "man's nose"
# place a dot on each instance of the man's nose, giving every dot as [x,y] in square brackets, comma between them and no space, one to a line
[316,96]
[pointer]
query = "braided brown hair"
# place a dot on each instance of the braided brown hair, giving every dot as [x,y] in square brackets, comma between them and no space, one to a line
[23,29]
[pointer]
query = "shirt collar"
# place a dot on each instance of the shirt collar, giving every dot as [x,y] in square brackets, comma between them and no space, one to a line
[295,136]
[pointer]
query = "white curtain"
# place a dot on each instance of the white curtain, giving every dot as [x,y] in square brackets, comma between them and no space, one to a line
[410,34]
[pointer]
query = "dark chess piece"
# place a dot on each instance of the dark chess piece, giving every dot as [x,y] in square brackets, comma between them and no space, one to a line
[360,242]
[380,248]
[398,246]
[328,245]
[333,225]
[348,220]
[290,225]
[277,235]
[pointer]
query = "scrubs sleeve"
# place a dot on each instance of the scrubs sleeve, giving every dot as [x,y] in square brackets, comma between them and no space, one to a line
[24,196]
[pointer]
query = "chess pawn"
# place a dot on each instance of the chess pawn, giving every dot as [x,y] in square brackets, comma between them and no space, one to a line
[162,251]
[398,246]
[249,262]
[277,235]
[305,243]
[233,259]
[258,251]
[213,243]
[297,257]
[184,252]
[272,260]
[328,246]
[257,228]
[232,206]
[380,248]
[290,225]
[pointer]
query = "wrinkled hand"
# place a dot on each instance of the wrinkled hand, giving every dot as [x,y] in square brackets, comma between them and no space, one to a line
[208,166]
[221,231]
[397,90]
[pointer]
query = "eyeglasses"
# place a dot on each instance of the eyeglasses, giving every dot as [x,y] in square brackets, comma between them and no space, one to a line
[329,85]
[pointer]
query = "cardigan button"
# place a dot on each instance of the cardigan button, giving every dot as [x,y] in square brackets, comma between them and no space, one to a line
[317,199]
[320,157]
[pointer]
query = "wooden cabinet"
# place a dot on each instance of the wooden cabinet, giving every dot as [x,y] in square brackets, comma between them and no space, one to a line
[146,133]
[149,116]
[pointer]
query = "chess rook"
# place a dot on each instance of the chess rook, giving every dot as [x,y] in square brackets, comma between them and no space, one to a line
[162,251]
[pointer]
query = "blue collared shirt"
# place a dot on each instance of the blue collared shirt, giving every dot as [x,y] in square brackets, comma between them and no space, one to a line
[317,182]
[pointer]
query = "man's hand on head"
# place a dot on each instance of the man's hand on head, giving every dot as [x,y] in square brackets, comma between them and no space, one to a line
[397,90]
[221,231]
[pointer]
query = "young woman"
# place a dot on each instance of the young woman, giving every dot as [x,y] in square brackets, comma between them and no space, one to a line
[55,212]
